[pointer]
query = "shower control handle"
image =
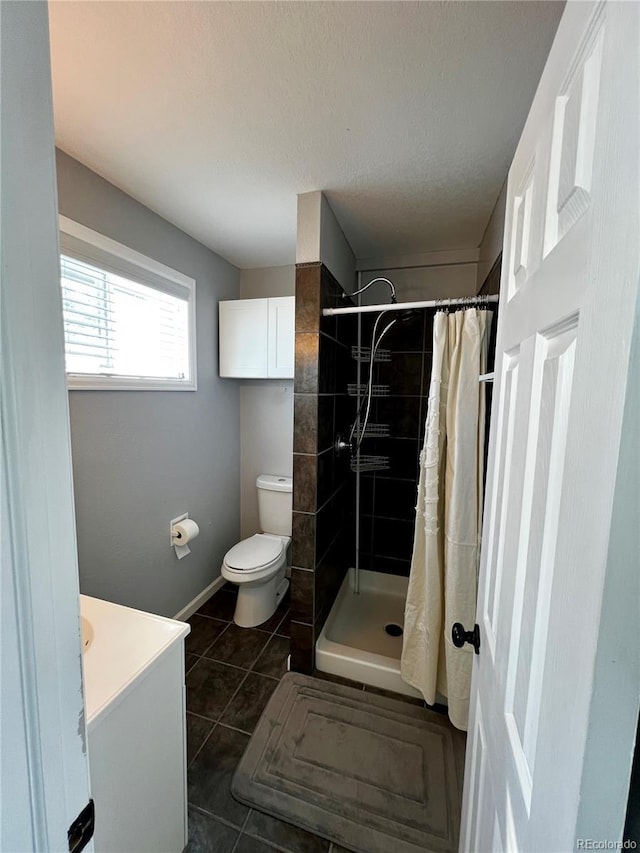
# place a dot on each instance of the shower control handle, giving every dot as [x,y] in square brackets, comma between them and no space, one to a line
[341,445]
[460,636]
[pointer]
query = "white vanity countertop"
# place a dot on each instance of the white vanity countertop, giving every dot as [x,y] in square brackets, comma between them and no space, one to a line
[126,644]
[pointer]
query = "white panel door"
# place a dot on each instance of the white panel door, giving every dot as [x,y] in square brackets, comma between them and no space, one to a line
[569,290]
[281,337]
[44,780]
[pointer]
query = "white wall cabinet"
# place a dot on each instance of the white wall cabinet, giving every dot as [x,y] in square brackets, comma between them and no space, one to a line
[281,337]
[257,338]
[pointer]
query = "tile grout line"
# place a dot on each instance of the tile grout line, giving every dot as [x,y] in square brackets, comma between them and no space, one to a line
[242,669]
[201,717]
[213,642]
[226,707]
[264,648]
[200,748]
[217,722]
[212,618]
[224,710]
[248,672]
[233,728]
[222,820]
[264,675]
[260,653]
[240,834]
[275,844]
[231,622]
[225,663]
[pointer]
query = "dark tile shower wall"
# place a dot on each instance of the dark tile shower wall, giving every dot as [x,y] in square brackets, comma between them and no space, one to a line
[323,486]
[388,498]
[322,520]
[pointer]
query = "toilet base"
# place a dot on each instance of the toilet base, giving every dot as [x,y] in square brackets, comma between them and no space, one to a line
[258,603]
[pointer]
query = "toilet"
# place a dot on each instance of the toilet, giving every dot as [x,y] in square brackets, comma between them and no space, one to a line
[258,564]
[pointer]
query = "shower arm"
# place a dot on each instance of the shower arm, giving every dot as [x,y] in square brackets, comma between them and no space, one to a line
[367,286]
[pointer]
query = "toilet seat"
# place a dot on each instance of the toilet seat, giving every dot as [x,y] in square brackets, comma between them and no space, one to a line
[255,554]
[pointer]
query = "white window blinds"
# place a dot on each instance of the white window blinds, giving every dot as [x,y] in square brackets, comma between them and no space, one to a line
[120,330]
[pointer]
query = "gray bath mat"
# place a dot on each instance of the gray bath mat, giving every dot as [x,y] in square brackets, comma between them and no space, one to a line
[372,774]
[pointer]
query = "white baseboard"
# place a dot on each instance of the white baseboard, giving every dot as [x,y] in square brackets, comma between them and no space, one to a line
[199,600]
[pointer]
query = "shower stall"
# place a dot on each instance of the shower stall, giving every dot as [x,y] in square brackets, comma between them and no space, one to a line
[362,382]
[362,636]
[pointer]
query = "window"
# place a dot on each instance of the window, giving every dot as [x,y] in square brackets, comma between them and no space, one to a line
[129,321]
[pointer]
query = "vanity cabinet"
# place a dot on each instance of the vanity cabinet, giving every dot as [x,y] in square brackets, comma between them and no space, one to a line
[257,337]
[136,728]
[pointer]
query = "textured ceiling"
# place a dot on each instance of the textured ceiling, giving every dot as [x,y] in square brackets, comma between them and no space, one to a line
[216,115]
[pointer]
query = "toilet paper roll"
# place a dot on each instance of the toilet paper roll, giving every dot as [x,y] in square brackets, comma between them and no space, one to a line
[184,531]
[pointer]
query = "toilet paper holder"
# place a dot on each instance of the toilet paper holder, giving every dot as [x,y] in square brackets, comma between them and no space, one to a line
[174,539]
[183,531]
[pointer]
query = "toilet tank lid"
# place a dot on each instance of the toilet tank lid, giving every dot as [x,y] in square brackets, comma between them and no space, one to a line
[275,483]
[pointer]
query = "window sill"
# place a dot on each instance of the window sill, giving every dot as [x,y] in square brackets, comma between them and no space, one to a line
[76,382]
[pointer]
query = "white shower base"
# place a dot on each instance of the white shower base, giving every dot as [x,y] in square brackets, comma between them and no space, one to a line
[354,643]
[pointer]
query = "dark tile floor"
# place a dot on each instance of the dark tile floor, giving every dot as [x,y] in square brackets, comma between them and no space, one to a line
[231,673]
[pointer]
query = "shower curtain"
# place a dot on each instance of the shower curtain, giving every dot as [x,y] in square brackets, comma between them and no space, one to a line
[444,565]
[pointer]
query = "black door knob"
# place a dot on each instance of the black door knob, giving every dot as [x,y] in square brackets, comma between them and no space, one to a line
[460,636]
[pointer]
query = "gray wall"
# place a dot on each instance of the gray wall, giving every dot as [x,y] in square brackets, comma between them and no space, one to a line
[268,281]
[266,407]
[491,244]
[438,281]
[140,458]
[320,237]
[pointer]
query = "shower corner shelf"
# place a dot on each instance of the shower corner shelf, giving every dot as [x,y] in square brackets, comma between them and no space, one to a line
[355,390]
[368,462]
[364,354]
[377,431]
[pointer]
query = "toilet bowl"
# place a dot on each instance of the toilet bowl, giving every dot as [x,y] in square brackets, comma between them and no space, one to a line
[258,564]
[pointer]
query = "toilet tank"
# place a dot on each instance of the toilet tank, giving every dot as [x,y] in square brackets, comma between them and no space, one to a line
[275,497]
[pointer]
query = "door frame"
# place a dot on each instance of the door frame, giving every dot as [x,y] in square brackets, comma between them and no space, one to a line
[44,751]
[615,700]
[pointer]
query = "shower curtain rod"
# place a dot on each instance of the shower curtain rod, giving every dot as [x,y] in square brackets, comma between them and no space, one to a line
[405,306]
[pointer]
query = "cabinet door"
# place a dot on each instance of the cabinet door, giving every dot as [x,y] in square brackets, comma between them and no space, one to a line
[138,764]
[281,336]
[243,338]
